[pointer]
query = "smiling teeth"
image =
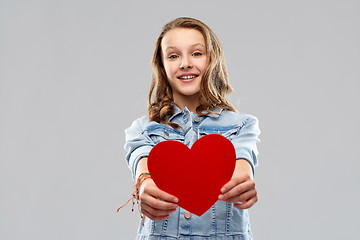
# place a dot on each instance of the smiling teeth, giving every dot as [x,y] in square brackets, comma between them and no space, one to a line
[187,77]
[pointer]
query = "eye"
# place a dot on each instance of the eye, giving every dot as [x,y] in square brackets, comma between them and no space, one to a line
[197,54]
[173,56]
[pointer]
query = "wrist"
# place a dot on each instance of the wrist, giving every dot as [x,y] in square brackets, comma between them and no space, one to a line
[243,166]
[139,181]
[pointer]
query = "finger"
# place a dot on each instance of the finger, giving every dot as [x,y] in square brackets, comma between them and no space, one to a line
[165,196]
[232,183]
[152,217]
[240,178]
[244,197]
[247,204]
[155,212]
[237,190]
[150,188]
[157,203]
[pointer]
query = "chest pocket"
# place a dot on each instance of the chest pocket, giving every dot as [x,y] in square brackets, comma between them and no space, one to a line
[227,131]
[163,133]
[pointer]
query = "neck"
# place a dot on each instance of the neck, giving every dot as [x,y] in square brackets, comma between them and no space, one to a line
[191,102]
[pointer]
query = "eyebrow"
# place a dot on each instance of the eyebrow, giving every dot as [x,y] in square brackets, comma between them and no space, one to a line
[193,45]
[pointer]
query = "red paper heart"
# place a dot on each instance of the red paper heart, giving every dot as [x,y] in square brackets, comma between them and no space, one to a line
[195,176]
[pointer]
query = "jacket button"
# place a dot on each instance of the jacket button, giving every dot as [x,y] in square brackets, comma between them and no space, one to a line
[187,215]
[166,133]
[196,119]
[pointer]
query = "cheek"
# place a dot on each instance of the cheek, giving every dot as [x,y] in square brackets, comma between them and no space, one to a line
[170,70]
[203,65]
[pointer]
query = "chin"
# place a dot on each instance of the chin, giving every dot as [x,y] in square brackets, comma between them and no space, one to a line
[189,94]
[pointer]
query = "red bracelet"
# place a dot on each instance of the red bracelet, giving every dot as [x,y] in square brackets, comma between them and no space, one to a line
[135,194]
[139,181]
[136,189]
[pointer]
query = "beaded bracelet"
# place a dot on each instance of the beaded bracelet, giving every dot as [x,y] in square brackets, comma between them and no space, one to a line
[135,194]
[139,181]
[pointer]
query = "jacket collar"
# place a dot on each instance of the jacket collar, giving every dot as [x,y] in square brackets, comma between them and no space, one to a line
[178,111]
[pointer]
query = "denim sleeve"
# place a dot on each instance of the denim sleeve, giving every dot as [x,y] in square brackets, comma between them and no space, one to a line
[137,144]
[246,139]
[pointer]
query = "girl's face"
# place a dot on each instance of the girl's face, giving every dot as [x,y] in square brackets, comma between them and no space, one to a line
[185,61]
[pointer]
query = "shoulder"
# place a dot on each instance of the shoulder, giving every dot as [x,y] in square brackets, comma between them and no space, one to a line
[236,118]
[141,121]
[230,124]
[139,124]
[143,124]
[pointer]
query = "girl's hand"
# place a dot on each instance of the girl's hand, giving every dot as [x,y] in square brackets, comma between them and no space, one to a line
[240,190]
[155,203]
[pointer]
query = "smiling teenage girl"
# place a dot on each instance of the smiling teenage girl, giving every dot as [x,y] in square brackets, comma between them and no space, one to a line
[187,100]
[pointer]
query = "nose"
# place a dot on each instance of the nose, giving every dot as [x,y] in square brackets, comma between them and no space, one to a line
[185,63]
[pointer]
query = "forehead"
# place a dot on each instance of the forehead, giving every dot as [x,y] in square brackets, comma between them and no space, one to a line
[182,38]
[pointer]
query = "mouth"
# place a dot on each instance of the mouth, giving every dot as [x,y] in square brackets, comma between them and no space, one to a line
[187,77]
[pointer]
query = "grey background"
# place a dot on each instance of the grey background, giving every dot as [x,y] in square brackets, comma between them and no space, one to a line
[74,74]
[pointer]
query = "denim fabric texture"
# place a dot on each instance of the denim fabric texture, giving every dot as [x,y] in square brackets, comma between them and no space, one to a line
[222,221]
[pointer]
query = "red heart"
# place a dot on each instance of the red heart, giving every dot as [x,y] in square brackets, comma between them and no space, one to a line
[195,176]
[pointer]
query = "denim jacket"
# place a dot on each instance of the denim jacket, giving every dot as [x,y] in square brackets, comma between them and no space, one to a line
[222,221]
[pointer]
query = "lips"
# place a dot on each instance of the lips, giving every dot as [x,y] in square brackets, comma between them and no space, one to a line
[187,77]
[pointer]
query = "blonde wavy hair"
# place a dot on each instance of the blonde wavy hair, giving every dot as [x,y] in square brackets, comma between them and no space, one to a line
[214,85]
